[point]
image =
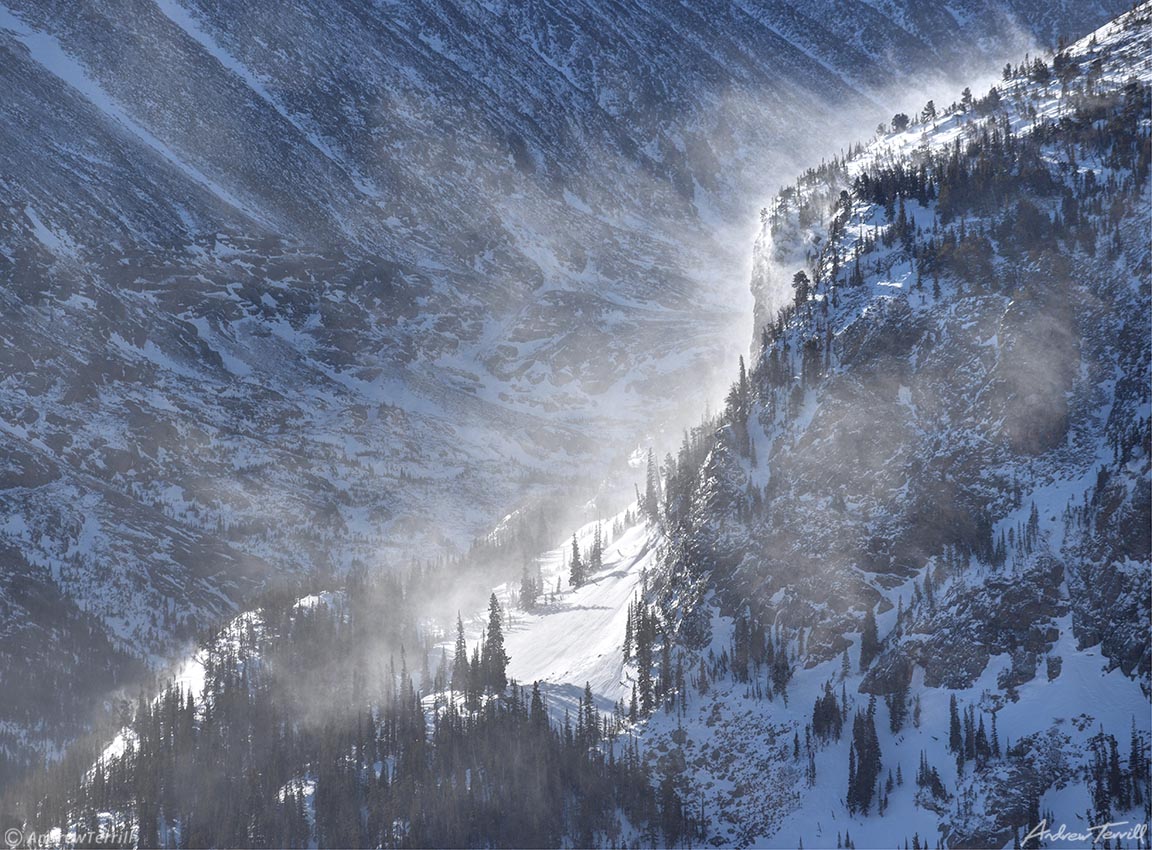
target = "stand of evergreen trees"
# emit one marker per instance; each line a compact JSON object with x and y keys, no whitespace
{"x":326,"y":724}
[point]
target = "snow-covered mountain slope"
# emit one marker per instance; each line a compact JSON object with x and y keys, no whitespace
{"x":289,"y":287}
{"x":933,"y":483}
{"x":572,"y":637}
{"x":294,"y":286}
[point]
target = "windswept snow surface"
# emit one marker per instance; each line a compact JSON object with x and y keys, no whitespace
{"x":46,"y":50}
{"x":180,"y":16}
{"x":575,"y":637}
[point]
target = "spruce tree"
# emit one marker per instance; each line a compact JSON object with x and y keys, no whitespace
{"x":801,"y":287}
{"x":864,"y":767}
{"x":460,"y":659}
{"x":528,"y":590}
{"x":852,"y":792}
{"x":596,"y":557}
{"x":591,"y":716}
{"x":955,"y":737}
{"x":537,"y":713}
{"x":495,"y":659}
{"x":666,"y":674}
{"x":475,"y":681}
{"x":644,"y":637}
{"x":576,"y":566}
{"x":982,"y":748}
{"x":652,"y":488}
{"x":628,"y":634}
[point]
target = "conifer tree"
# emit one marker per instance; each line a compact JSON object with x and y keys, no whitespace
{"x":666,"y":674}
{"x":576,"y":565}
{"x":628,"y":634}
{"x":982,"y":747}
{"x":536,"y":712}
{"x":528,"y":590}
{"x":864,"y":766}
{"x":652,"y":488}
{"x":801,"y":287}
{"x":955,"y":738}
{"x":644,"y":638}
{"x":495,"y":659}
{"x":475,"y":681}
{"x":1137,"y":765}
{"x":460,"y":659}
{"x":596,"y":556}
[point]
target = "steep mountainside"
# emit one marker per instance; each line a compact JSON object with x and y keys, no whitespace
{"x":933,"y":483}
{"x":293,"y":286}
{"x":896,"y":592}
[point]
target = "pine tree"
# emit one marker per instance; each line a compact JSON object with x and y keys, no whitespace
{"x":528,"y":590}
{"x":576,"y":566}
{"x":865,"y":765}
{"x":591,"y":719}
{"x":982,"y":748}
{"x":495,"y":659}
{"x":475,"y":681}
{"x":537,"y":713}
{"x":628,"y":634}
{"x":1116,"y":786}
{"x":1137,"y":766}
{"x":801,"y":288}
{"x":955,"y":738}
{"x":652,"y":488}
{"x":852,"y":792}
{"x":644,"y":638}
{"x":969,"y":733}
{"x":460,"y":659}
{"x":596,"y":558}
